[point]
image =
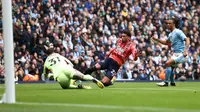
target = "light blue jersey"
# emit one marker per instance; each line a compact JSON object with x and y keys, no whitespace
{"x":177,"y":37}
{"x":177,"y":40}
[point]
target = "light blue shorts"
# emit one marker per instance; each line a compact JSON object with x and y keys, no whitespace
{"x":178,"y":58}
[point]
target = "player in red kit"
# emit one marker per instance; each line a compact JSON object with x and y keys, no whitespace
{"x":116,"y":58}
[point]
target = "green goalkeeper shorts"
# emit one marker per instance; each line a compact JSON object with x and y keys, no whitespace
{"x":64,"y":81}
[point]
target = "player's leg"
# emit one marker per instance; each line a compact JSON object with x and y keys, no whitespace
{"x":72,"y":82}
{"x":178,"y":58}
{"x":168,"y":71}
{"x":113,"y":79}
{"x":110,"y":73}
{"x":77,"y":75}
{"x":108,"y":78}
{"x":80,"y":86}
{"x":175,"y":59}
{"x":98,"y":66}
{"x":63,"y":80}
{"x":172,"y":81}
{"x":106,"y":81}
{"x":65,"y":83}
{"x":68,"y":73}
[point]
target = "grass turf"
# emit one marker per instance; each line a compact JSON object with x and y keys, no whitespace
{"x":121,"y":97}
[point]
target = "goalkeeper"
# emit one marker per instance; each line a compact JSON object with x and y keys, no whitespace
{"x":63,"y":71}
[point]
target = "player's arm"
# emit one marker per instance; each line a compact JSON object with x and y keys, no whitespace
{"x":187,"y":41}
{"x":165,"y":42}
{"x":135,"y":53}
{"x":109,"y":52}
{"x":45,"y":72}
{"x":112,"y":49}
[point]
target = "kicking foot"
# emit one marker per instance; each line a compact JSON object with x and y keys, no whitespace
{"x":98,"y":83}
{"x":162,"y":84}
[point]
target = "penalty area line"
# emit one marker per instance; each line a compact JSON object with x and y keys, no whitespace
{"x":142,"y":108}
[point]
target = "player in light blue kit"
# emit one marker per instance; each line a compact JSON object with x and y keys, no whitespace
{"x":179,"y":44}
{"x":63,"y":71}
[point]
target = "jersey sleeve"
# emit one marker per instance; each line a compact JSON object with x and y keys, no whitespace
{"x":182,"y":35}
{"x":45,"y":71}
{"x":133,"y":51}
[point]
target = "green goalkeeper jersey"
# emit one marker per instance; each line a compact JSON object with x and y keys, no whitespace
{"x":56,"y":63}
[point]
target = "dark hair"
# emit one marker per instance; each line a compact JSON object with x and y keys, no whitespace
{"x":175,"y":20}
{"x":127,"y":32}
{"x":49,"y":51}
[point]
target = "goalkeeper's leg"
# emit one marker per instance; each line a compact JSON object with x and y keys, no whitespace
{"x":65,"y":83}
{"x":63,"y":80}
{"x":81,"y":76}
{"x":80,"y":86}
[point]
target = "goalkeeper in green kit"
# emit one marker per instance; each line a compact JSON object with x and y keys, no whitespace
{"x":63,"y":71}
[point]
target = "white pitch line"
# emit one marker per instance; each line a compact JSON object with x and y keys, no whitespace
{"x":111,"y":107}
{"x":155,"y":89}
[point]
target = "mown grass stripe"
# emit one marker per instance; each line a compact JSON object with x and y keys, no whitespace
{"x":111,"y":107}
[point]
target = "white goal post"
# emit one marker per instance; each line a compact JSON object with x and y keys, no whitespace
{"x":9,"y":95}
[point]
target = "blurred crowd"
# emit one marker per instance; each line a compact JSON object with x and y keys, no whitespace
{"x":84,"y":30}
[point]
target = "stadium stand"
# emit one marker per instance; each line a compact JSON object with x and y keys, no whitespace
{"x":84,"y":30}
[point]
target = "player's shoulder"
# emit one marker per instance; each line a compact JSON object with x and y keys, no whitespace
{"x":178,"y":31}
{"x":132,"y":43}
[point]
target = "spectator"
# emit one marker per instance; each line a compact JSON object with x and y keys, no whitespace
{"x":38,"y":23}
{"x":153,"y":77}
{"x":142,"y":75}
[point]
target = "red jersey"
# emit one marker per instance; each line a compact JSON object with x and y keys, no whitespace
{"x":122,"y":51}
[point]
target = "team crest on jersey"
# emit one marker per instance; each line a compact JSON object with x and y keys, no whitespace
{"x":119,"y":49}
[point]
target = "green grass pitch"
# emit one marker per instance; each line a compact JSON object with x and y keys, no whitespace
{"x":121,"y":97}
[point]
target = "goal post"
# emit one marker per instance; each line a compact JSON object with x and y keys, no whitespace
{"x":9,"y":95}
